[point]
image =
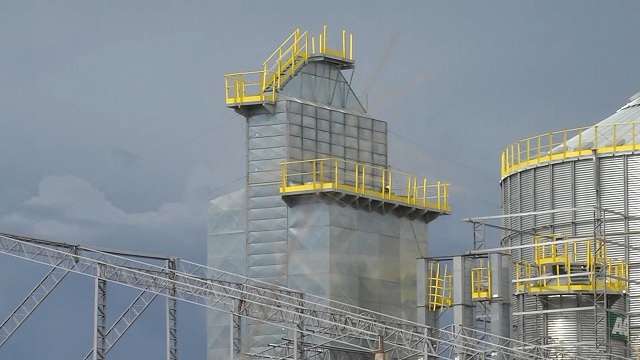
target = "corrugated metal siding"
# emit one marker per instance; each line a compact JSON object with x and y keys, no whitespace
{"x":565,"y":185}
{"x":633,"y":201}
{"x":542,"y":196}
{"x":562,"y":197}
{"x":585,"y":195}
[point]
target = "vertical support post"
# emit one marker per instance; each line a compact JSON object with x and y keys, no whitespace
{"x":235,"y":328}
{"x":295,"y":345}
{"x":600,"y":298}
{"x":172,"y":313}
{"x":298,"y":351}
{"x":100,"y":315}
{"x":463,"y":308}
{"x":501,"y":329}
{"x":234,"y":336}
{"x":478,"y":235}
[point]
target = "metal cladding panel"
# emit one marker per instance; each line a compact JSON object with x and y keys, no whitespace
{"x":612,"y":193}
{"x":226,"y":250}
{"x":266,"y":213}
{"x":260,"y":130}
{"x":322,"y":83}
{"x":584,"y":190}
{"x":542,"y":197}
{"x":342,"y":135}
{"x":265,"y":202}
{"x":562,"y":196}
{"x":226,"y":214}
{"x":633,"y":204}
{"x":562,"y":327}
{"x":267,"y":142}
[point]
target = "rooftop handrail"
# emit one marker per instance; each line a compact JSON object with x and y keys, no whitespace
{"x":281,"y":65}
{"x":569,"y":143}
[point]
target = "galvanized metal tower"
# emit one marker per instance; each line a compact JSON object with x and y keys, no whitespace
{"x":321,"y":211}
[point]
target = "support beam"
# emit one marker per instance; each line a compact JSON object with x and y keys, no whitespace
{"x":100,"y":315}
{"x":30,"y":303}
{"x":126,"y":319}
{"x":172,"y":313}
{"x":341,"y":324}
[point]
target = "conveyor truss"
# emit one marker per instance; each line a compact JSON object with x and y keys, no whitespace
{"x":324,"y":324}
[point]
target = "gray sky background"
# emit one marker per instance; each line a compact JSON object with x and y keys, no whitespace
{"x":113,"y":128}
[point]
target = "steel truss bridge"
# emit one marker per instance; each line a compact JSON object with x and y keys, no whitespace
{"x":323,"y":328}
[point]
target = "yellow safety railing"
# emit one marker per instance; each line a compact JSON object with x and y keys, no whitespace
{"x":569,"y":143}
{"x":524,"y":271}
{"x":565,"y":265}
{"x":260,"y":86}
{"x":247,"y":87}
{"x":439,"y":284}
{"x":481,"y":282}
{"x":331,"y":174}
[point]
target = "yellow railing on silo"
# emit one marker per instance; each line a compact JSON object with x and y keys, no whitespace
{"x":563,"y":265}
{"x":364,"y":179}
{"x":559,"y":145}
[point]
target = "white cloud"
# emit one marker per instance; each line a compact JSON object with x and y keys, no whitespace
{"x":70,"y":208}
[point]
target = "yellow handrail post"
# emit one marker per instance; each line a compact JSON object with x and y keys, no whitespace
{"x":519,"y":153}
{"x":409,"y":190}
{"x":284,"y":176}
{"x":564,"y":144}
{"x":356,"y":175}
{"x":528,"y":150}
{"x":580,"y":142}
{"x":313,"y":171}
{"x":350,"y":46}
{"x":439,"y":197}
{"x":424,"y":193}
{"x":313,"y":45}
{"x":344,"y":44}
{"x":321,"y":173}
{"x":595,"y":137}
{"x":384,"y":175}
{"x":363,"y":178}
{"x":512,"y":156}
{"x":390,"y":182}
{"x":550,"y":144}
{"x":336,"y":175}
{"x":415,"y":189}
{"x":324,"y":31}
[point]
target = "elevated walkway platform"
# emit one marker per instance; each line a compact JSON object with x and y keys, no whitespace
{"x":566,"y":266}
{"x":366,"y":186}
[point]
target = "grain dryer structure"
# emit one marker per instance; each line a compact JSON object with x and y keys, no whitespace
{"x":321,"y":212}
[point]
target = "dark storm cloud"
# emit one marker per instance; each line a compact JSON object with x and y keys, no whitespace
{"x":113,"y":129}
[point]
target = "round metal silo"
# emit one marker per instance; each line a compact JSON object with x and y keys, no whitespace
{"x":576,"y":190}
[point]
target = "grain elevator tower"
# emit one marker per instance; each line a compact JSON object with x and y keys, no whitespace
{"x":321,"y":211}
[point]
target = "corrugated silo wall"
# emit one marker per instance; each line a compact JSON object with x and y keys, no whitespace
{"x":572,"y":184}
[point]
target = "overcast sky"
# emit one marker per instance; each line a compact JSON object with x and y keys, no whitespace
{"x":114,"y":129}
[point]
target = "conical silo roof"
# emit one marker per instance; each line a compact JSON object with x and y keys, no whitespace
{"x":616,"y":130}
